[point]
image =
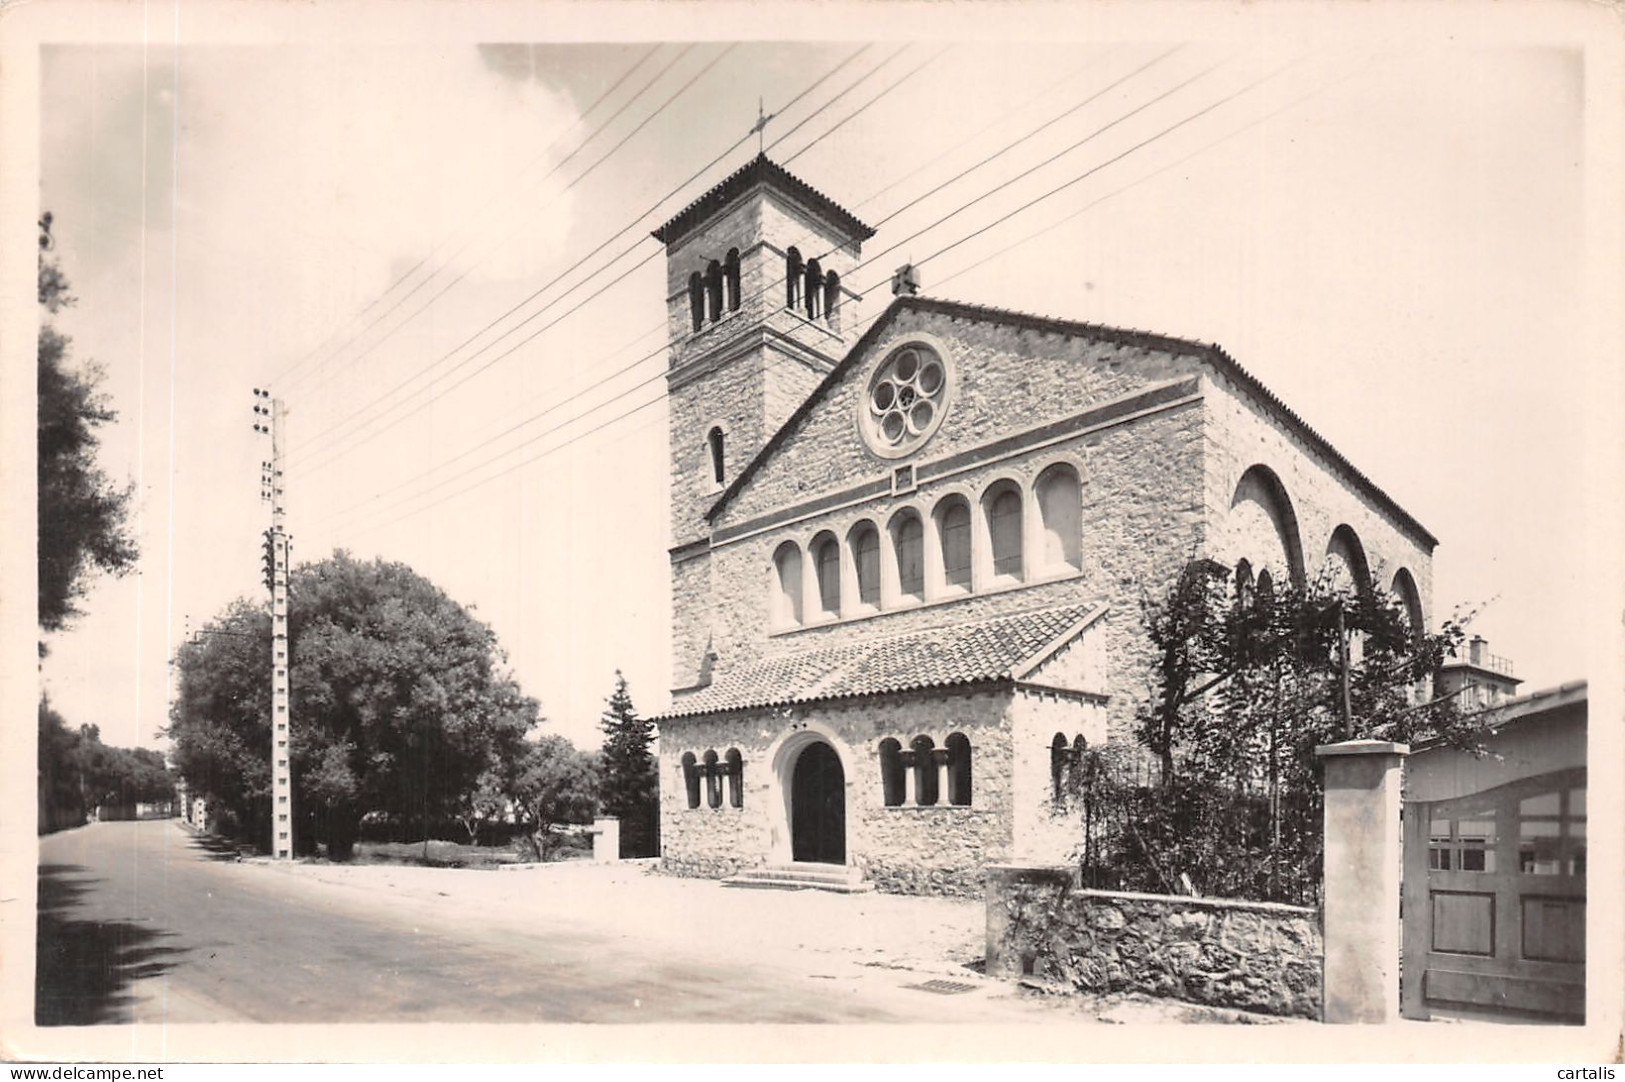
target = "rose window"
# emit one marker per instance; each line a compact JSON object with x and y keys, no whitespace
{"x":906,"y":400}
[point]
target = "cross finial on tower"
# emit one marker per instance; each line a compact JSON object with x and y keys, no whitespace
{"x":761,"y":125}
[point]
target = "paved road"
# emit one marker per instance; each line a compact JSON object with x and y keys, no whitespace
{"x":142,"y":922}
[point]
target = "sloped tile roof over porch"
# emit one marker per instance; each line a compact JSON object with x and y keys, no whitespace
{"x":999,"y":650}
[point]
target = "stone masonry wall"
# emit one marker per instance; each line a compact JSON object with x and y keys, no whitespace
{"x":1241,"y":434}
{"x":914,"y":850}
{"x":1254,"y":956}
{"x":1133,"y":537}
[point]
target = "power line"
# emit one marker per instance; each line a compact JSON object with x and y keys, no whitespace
{"x":601,"y":382}
{"x":463,"y":274}
{"x":1042,"y":127}
{"x":1266,"y":118}
{"x":424,"y":403}
{"x":633,"y":224}
{"x":893,"y":85}
{"x":861,"y":324}
{"x":652,"y":254}
{"x":1052,"y":158}
{"x":1119,"y":157}
{"x":849,"y":88}
{"x":332,"y":432}
{"x":659,"y":351}
{"x":287,"y":373}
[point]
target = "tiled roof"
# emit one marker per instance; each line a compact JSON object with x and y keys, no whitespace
{"x":987,"y":651}
{"x":759,"y":170}
{"x":1213,"y":354}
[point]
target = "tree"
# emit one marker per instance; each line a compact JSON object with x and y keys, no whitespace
{"x":78,"y":773}
{"x":486,"y":802}
{"x":398,"y":703}
{"x":82,"y":516}
{"x":631,"y":780}
{"x":1248,"y":682}
{"x":552,"y":784}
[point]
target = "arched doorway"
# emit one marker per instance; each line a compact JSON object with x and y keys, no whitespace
{"x":818,"y":806}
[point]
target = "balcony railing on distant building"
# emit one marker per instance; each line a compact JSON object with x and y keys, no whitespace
{"x":1478,"y":655}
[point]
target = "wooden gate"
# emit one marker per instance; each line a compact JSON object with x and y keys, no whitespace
{"x":1494,"y":901}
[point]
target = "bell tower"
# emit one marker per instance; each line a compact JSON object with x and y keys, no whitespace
{"x":758,"y":312}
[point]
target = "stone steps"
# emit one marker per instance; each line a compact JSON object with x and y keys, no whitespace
{"x":836,"y":878}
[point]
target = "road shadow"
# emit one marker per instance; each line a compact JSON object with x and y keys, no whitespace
{"x":84,"y":967}
{"x":211,"y":847}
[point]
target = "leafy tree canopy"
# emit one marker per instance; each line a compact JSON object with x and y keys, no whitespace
{"x":1249,"y":680}
{"x":399,"y":702}
{"x":82,"y":516}
{"x":551,"y":784}
{"x":78,"y":773}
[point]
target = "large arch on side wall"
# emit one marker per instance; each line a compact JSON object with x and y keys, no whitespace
{"x":1345,"y":563}
{"x":1262,"y":527}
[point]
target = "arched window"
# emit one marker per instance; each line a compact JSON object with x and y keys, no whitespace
{"x":691,"y":779}
{"x":787,"y":580}
{"x":1345,"y":564}
{"x":815,"y":288}
{"x":730,"y":279}
{"x":826,"y":554}
{"x":714,"y":440}
{"x":865,"y":541}
{"x":1262,"y":523}
{"x":1057,"y":767}
{"x":1244,"y":583}
{"x":696,"y":299}
{"x":891,"y":772}
{"x":832,"y":299}
{"x":793,"y":270}
{"x":1404,"y":590}
{"x":953,"y":528}
{"x":908,"y":544}
{"x":1264,"y":590}
{"x":713,"y":780}
{"x":958,"y":745}
{"x":735,"y":767}
{"x":1060,"y":508}
{"x":1003,"y":508}
{"x":925,"y":771}
{"x":713,"y":291}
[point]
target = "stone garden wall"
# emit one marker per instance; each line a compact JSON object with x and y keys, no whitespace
{"x":1254,"y":956}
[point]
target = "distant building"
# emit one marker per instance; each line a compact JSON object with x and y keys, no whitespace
{"x":908,"y":565}
{"x":1495,"y":866}
{"x":1481,"y":679}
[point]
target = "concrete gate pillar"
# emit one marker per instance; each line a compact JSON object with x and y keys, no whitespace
{"x":606,"y":839}
{"x":1361,"y":908}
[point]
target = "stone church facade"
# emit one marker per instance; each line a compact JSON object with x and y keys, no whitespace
{"x":907,"y":565}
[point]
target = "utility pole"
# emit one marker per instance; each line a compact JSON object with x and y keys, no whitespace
{"x":276,"y":580}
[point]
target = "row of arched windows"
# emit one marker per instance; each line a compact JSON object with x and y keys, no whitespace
{"x":707,"y":772}
{"x":808,"y":288}
{"x":1009,"y":535}
{"x":925,"y":775}
{"x":715,"y":292}
{"x":1265,"y":523}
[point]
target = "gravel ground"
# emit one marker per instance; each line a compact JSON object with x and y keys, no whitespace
{"x":891,"y":937}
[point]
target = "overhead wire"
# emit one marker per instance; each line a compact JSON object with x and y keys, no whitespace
{"x":287,"y":373}
{"x":558,"y":299}
{"x":652,"y":254}
{"x":573,"y":182}
{"x":656,"y":353}
{"x":862,"y":323}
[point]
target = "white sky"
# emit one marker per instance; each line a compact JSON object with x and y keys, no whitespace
{"x":1390,"y":233}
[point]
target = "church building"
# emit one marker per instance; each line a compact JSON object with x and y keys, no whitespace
{"x":908,"y":564}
